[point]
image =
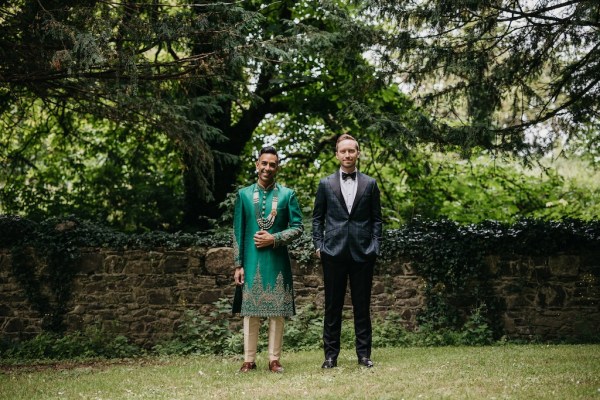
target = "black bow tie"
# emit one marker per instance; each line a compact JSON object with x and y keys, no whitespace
{"x":350,"y":175}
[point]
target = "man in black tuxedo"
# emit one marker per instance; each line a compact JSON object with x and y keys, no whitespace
{"x":347,"y":227}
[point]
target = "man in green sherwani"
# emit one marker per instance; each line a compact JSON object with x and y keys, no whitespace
{"x":267,"y":218}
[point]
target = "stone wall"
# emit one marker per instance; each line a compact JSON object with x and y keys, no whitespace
{"x":549,"y":297}
{"x":143,"y":294}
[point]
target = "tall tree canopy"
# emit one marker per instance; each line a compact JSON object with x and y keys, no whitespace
{"x":77,"y":75}
{"x":206,"y":74}
{"x":509,"y":75}
{"x":131,"y":110}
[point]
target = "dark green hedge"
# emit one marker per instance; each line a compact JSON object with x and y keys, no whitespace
{"x":450,"y":258}
{"x":78,"y":233}
{"x":528,"y":236}
{"x":58,"y":241}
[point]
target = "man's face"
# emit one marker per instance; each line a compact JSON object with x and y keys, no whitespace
{"x":267,"y":166}
{"x":347,"y":153}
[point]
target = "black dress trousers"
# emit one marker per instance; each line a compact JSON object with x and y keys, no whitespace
{"x":336,"y":274}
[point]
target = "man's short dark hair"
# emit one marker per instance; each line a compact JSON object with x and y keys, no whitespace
{"x":268,"y":150}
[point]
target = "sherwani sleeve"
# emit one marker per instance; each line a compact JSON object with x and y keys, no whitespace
{"x":238,"y":232}
{"x":295,"y":227}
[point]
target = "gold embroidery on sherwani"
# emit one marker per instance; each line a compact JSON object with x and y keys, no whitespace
{"x":271,"y":293}
{"x":237,"y":257}
{"x":287,"y":236}
{"x":261,"y":301}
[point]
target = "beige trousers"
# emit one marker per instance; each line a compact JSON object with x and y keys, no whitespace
{"x":251,"y":328}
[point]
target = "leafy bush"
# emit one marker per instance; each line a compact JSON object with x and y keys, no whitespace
{"x":200,"y":334}
{"x":476,"y":331}
{"x":15,"y":230}
{"x":214,"y":335}
{"x":305,"y":330}
{"x":91,"y":343}
{"x":389,"y":331}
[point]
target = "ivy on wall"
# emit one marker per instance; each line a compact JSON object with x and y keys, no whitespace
{"x":50,"y":244}
{"x":448,"y":256}
{"x":451,"y":259}
{"x":54,"y":245}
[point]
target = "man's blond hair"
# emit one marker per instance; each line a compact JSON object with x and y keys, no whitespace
{"x":345,"y":136}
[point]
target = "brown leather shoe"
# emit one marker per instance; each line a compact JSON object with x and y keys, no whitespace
{"x":247,"y":366}
{"x":275,"y":366}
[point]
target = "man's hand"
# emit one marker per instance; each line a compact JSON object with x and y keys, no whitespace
{"x":318,"y":253}
{"x":263,"y":239}
{"x":238,"y":276}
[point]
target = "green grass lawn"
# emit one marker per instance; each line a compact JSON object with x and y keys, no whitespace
{"x":494,"y":372}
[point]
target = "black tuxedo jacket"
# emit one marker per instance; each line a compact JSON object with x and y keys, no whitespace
{"x":338,"y":233}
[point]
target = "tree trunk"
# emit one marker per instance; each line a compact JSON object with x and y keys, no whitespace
{"x":199,"y":209}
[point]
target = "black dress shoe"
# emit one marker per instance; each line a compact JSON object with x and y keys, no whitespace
{"x":365,"y":362}
{"x":329,"y":363}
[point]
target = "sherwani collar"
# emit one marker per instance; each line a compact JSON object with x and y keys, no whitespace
{"x":268,"y":188}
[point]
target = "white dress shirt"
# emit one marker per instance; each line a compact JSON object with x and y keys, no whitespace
{"x":348,"y":190}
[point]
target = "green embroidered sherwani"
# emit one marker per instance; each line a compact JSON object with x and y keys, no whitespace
{"x":268,"y":289}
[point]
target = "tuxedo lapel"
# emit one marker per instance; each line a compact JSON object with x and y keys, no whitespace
{"x":361,"y":185}
{"x":334,"y":181}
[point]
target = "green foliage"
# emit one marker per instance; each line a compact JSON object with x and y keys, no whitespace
{"x":93,"y":342}
{"x":487,"y":71}
{"x":204,"y":334}
{"x":56,"y":243}
{"x":53,"y":242}
{"x":447,"y":260}
{"x":212,"y":334}
{"x":416,"y":180}
{"x":303,"y":249}
{"x":81,"y":138}
{"x":434,"y":185}
{"x":304,"y":331}
{"x":450,"y":258}
{"x":83,"y":233}
{"x":215,"y":334}
{"x":80,"y":135}
{"x":389,"y":331}
{"x":476,"y":330}
{"x":105,"y":174}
